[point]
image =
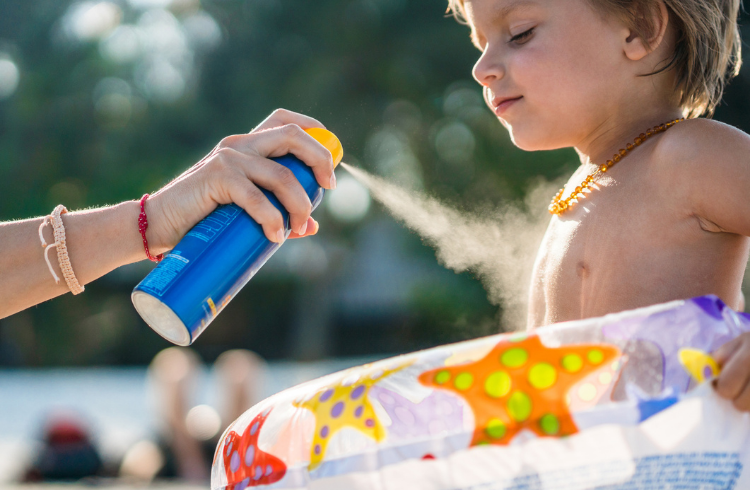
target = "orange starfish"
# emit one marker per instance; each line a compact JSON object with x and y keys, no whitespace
{"x":521,"y":384}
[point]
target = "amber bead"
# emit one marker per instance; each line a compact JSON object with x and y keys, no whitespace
{"x":559,"y":205}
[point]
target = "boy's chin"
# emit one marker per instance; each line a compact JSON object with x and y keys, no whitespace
{"x":532,"y":137}
{"x":528,"y":142}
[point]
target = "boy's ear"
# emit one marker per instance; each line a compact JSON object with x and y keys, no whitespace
{"x":654,"y":28}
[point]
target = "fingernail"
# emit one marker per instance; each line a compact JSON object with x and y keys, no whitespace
{"x":303,"y":228}
{"x":280,"y":237}
{"x":333,"y":181}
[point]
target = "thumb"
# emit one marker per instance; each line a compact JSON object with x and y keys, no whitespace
{"x":725,"y":352}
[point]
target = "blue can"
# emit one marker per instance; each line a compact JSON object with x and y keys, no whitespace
{"x":215,"y":259}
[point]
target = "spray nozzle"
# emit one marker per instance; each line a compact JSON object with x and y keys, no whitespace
{"x":330,"y":141}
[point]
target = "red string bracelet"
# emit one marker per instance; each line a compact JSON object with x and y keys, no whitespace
{"x":142,"y":227}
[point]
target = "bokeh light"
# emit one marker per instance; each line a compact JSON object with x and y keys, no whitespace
{"x":390,"y":151}
{"x":163,"y":46}
{"x":350,"y":201}
{"x":9,"y":77}
{"x":122,"y":46}
{"x":88,"y":21}
{"x":454,"y":142}
{"x":203,"y":422}
{"x":113,"y":102}
{"x":306,"y":258}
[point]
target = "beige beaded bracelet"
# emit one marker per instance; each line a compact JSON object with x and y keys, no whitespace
{"x":62,"y":250}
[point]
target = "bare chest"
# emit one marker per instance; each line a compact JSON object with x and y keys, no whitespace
{"x":628,"y":245}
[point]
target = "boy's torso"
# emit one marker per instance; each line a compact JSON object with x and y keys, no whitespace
{"x":632,"y":242}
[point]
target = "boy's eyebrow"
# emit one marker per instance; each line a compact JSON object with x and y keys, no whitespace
{"x":503,"y":12}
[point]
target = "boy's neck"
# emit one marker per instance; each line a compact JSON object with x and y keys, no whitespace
{"x":617,"y":131}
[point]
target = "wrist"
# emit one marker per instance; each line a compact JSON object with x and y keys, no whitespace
{"x":150,"y":222}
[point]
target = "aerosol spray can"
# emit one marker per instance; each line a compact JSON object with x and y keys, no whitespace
{"x":217,"y":257}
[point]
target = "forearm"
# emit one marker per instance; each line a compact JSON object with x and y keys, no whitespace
{"x":98,"y":241}
{"x":101,"y":240}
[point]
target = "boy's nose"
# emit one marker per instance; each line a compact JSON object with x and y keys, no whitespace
{"x":488,"y":69}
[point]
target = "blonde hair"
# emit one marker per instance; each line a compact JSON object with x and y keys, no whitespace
{"x":707,"y":53}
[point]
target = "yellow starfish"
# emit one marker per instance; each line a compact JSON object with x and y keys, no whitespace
{"x":700,"y":365}
{"x":344,"y":405}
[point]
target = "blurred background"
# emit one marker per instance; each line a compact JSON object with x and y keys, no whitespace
{"x":102,"y":101}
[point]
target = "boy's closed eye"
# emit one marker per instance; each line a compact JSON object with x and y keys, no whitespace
{"x":523,"y":37}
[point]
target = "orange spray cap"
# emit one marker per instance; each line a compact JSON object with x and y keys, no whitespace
{"x":330,"y":141}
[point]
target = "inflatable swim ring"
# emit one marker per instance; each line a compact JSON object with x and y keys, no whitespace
{"x":481,"y":408}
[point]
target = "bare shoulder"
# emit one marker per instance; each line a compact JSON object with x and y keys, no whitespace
{"x":704,"y":146}
{"x":706,"y":165}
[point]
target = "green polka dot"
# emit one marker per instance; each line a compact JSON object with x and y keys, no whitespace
{"x":495,"y":429}
{"x":497,"y":384}
{"x":519,"y":406}
{"x":442,"y":377}
{"x":572,"y":363}
{"x":542,"y":376}
{"x":463,"y":381}
{"x":595,"y":356}
{"x":549,"y":424}
{"x":514,"y":358}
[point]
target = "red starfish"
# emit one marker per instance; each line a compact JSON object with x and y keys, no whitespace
{"x":246,"y":465}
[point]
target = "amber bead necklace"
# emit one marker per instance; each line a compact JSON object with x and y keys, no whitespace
{"x":558,"y":205}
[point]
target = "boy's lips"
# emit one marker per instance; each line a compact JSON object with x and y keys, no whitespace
{"x":501,"y":104}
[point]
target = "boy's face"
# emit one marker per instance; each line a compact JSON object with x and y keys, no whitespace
{"x":560,"y":60}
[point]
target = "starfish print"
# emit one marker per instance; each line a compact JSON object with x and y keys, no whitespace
{"x":699,"y":364}
{"x":438,"y":413}
{"x":521,"y":384}
{"x":245,"y":464}
{"x":343,"y":405}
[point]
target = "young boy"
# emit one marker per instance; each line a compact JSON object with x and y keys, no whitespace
{"x":668,"y":217}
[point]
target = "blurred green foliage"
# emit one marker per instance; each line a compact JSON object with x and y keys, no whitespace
{"x":90,"y":125}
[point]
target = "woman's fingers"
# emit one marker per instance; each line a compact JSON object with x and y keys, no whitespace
{"x":723,"y":353}
{"x":312,"y":229}
{"x":734,"y":358}
{"x":281,"y":182}
{"x":250,"y":198}
{"x":231,"y":184}
{"x":284,"y":140}
{"x":282,"y":117}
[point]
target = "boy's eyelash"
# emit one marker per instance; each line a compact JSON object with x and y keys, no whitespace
{"x":521,"y":36}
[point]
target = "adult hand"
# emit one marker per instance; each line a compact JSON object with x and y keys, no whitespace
{"x":234,"y":171}
{"x":734,"y":381}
